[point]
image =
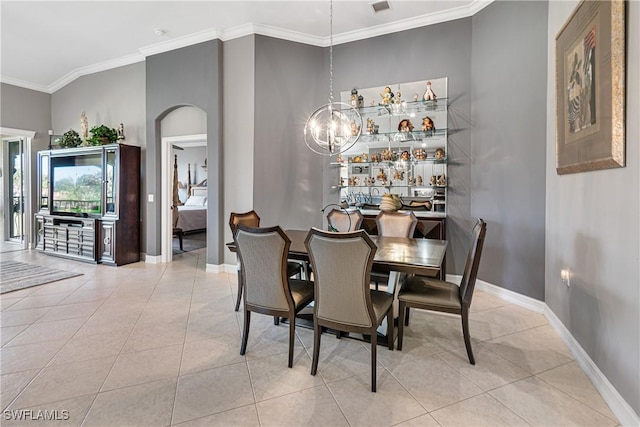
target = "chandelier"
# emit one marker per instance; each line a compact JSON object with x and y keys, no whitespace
{"x":335,"y":127}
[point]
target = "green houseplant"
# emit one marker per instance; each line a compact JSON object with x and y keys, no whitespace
{"x":70,"y":139}
{"x":102,"y":134}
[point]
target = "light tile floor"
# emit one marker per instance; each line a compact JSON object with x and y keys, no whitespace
{"x":158,"y":345}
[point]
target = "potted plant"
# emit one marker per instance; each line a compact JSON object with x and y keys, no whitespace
{"x":101,"y":135}
{"x":70,"y":139}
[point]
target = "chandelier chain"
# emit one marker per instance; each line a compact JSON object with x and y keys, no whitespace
{"x":331,"y":51}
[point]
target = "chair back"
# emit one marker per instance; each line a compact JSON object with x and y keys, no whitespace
{"x":341,"y":267}
{"x":468,"y":282}
{"x":396,"y":224}
{"x":250,"y":219}
{"x":342,"y":220}
{"x":263,"y":256}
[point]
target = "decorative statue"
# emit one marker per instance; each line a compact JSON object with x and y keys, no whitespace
{"x":354,"y":98}
{"x":354,"y":128}
{"x":433,"y":179}
{"x":442,"y":181}
{"x":439,"y":154}
{"x":428,"y":94}
{"x":121,"y":135}
{"x":387,"y":96}
{"x":419,"y":154}
{"x":405,"y":125}
{"x":419,"y":180}
{"x":415,"y":97}
{"x":84,"y":126}
{"x":405,"y":155}
{"x":427,"y":124}
{"x":360,"y":101}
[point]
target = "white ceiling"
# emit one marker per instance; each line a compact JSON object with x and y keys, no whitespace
{"x":47,"y":44}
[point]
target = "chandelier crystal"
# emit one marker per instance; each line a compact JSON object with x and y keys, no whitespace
{"x":335,"y":127}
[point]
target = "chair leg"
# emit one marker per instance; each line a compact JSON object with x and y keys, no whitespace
{"x":240,"y":286}
{"x":276,"y":320}
{"x":292,"y":336}
{"x":390,"y":328}
{"x":316,"y":347}
{"x":374,"y":348}
{"x":401,"y":322}
{"x":465,"y":332}
{"x":406,"y":318}
{"x":245,"y":332}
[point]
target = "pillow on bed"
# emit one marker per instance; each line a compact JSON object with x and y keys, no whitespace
{"x":196,"y":201}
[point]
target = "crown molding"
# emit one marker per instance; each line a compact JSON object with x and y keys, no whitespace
{"x":179,"y":42}
{"x":265,"y":30}
{"x":94,"y":68}
{"x":21,"y":83}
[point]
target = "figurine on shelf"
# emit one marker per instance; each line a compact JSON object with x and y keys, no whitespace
{"x":121,"y":132}
{"x":439,"y":154}
{"x":355,"y":129}
{"x":386,"y":155}
{"x":405,"y":125}
{"x":375,"y":157}
{"x":357,"y":159}
{"x":360,"y":101}
{"x":370,"y":181}
{"x":381,"y":175}
{"x":411,"y":181}
{"x":419,"y":154}
{"x":354,"y":98}
{"x":387,"y":96}
{"x":370,"y":126}
{"x":405,"y":155}
{"x":339,"y":158}
{"x":429,"y":95}
{"x":84,"y":126}
{"x":442,"y":181}
{"x":419,"y":180}
{"x":365,"y":157}
{"x":433,"y":180}
{"x":341,"y":182}
{"x":427,"y":124}
{"x":356,"y":181}
{"x":415,"y":97}
{"x":399,"y":175}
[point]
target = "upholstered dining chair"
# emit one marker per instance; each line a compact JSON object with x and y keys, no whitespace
{"x":437,"y":295}
{"x":268,"y":288}
{"x":341,"y":220}
{"x":343,"y":299}
{"x":393,"y":224}
{"x":251,"y":219}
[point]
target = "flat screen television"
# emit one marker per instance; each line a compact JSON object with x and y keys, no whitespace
{"x":76,"y":182}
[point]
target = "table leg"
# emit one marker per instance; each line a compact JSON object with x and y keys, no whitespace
{"x":393,"y":287}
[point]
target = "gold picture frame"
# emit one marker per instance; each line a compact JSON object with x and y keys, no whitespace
{"x":590,"y":88}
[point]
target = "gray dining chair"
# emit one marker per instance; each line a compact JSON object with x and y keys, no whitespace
{"x":393,"y":224}
{"x":341,"y":220}
{"x":438,"y":295}
{"x":268,"y":289}
{"x":251,"y":219}
{"x":343,"y":299}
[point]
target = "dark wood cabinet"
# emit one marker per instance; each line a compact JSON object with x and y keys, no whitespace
{"x":89,"y":206}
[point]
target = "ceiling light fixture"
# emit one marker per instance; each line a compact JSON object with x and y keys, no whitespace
{"x":336,"y":126}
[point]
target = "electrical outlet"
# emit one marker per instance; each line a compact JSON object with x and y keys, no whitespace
{"x":565,"y":276}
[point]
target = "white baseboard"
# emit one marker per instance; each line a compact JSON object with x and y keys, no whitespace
{"x":153,"y":259}
{"x":619,"y":407}
{"x":230,"y":268}
{"x":214,"y":268}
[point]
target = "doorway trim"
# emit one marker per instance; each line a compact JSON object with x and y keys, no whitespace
{"x":28,"y":135}
{"x":166,"y":247}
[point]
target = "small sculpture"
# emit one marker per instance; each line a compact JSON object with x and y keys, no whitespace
{"x":382,"y":176}
{"x":411,"y":181}
{"x":84,"y":126}
{"x":415,"y":97}
{"x":354,"y":98}
{"x":399,"y":175}
{"x":339,"y":159}
{"x":365,"y":157}
{"x":360,"y":101}
{"x":121,"y":134}
{"x":405,"y":125}
{"x":387,"y":96}
{"x":429,"y":95}
{"x":433,"y":180}
{"x":439,"y":154}
{"x":405,"y":155}
{"x":370,"y":181}
{"x":375,"y":157}
{"x":427,"y":124}
{"x":341,"y":182}
{"x":386,"y":154}
{"x":355,"y":129}
{"x":419,"y":154}
{"x":419,"y":180}
{"x":442,"y":181}
{"x":356,"y":181}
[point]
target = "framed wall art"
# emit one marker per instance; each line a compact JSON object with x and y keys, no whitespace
{"x":590,"y":88}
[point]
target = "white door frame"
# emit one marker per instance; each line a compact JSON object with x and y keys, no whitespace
{"x":28,"y":135}
{"x":166,"y":172}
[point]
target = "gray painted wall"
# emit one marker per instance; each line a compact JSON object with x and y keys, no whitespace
{"x":287,"y":182}
{"x":238,"y":128}
{"x":187,"y":76}
{"x":27,"y":109}
{"x":442,"y":50}
{"x":110,"y":97}
{"x":508,"y":72}
{"x":593,"y":228}
{"x":184,"y":121}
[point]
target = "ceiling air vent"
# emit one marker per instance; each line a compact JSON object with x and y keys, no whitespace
{"x":379,"y":6}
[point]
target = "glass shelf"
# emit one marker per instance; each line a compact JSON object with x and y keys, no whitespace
{"x":403,"y":137}
{"x":405,"y":108}
{"x":429,"y":161}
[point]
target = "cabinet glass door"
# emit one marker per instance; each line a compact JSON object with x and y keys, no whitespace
{"x":110,"y":184}
{"x":44,"y":182}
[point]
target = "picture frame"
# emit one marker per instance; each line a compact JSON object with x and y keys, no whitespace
{"x":590,"y":88}
{"x":54,"y":142}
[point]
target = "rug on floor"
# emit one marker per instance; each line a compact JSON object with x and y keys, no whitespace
{"x":190,"y":242}
{"x":15,"y":275}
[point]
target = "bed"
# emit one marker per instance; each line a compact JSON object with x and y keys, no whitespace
{"x":192,"y":216}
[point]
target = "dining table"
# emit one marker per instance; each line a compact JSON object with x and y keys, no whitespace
{"x":395,"y":255}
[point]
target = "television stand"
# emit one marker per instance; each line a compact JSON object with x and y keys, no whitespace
{"x":67,"y":236}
